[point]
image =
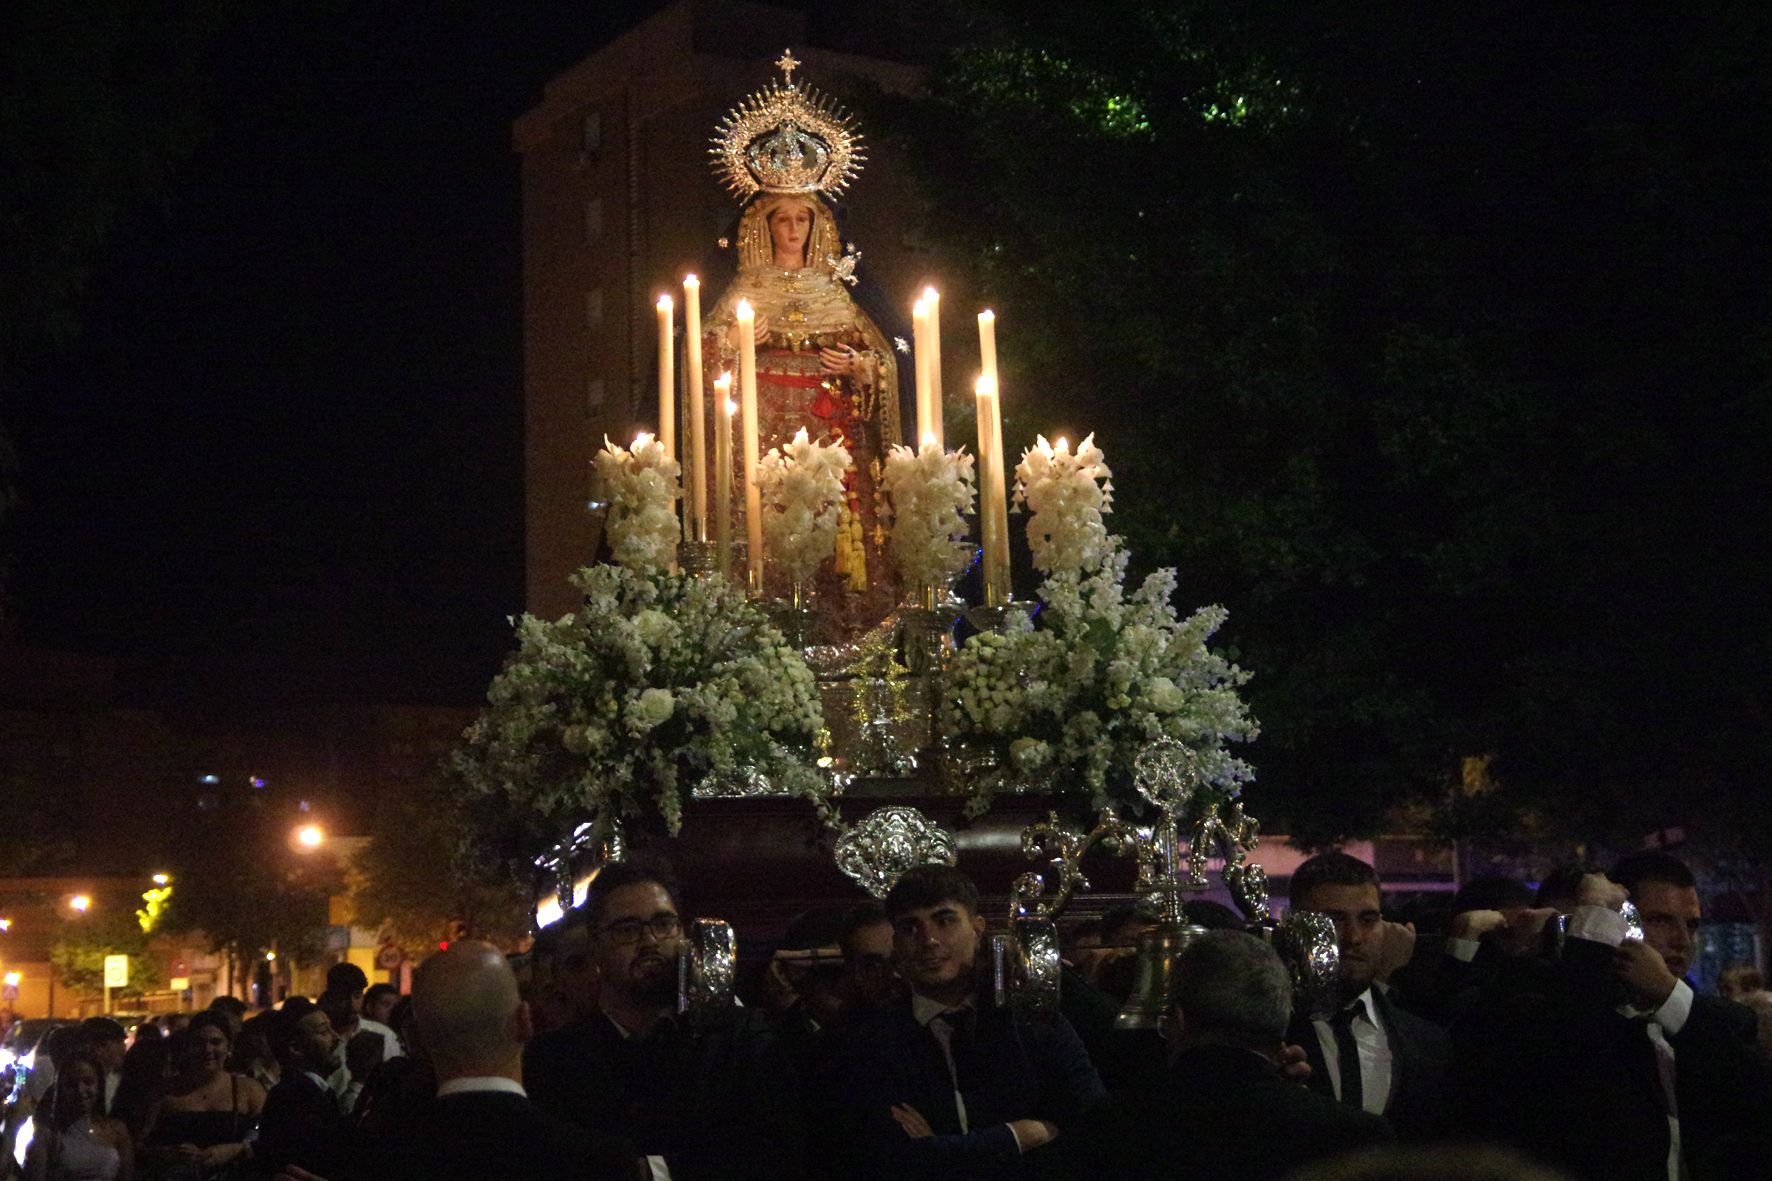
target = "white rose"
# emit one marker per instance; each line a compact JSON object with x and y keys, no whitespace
{"x":1163,"y":695}
{"x":654,"y":626}
{"x":652,"y":709}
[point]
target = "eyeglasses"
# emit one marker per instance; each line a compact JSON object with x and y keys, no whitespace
{"x":627,"y":931}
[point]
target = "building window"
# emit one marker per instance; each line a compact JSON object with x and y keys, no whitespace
{"x":595,"y":391}
{"x":590,"y":139}
{"x":594,"y":308}
{"x":593,"y":219}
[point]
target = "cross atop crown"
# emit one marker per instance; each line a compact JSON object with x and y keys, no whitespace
{"x":787,"y":63}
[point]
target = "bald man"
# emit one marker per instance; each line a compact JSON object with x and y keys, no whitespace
{"x":481,"y":1125}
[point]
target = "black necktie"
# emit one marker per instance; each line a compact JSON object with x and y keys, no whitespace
{"x":1347,"y":1054}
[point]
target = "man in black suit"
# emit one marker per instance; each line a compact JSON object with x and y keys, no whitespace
{"x":1223,"y":1107}
{"x":301,"y":1124}
{"x":704,"y":1094}
{"x":1621,"y":1071}
{"x":942,"y":1085}
{"x":482,"y":1126}
{"x":1371,"y":1054}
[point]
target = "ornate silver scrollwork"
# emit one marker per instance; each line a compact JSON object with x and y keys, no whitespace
{"x":707,"y":964}
{"x":1025,"y":966}
{"x":1063,"y":848}
{"x":888,"y":841}
{"x":1234,"y":836}
{"x":1307,"y":945}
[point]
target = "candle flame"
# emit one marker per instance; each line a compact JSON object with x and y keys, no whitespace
{"x":723,"y":382}
{"x":1063,"y":444}
{"x":987,"y":316}
{"x":664,"y":303}
{"x":928,"y":438}
{"x":931,"y":295}
{"x":690,"y":281}
{"x":743,"y":311}
{"x":919,"y":309}
{"x":731,"y":407}
{"x":640,"y":440}
{"x":986,"y":386}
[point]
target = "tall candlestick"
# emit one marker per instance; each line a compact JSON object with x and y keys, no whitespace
{"x":996,"y":482}
{"x":747,"y":409}
{"x":667,"y":379}
{"x":932,"y":298}
{"x":698,"y":454}
{"x":724,"y":409}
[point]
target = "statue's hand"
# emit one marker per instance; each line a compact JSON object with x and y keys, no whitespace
{"x":838,"y":361}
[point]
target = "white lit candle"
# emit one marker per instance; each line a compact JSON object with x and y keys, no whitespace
{"x":667,"y":378}
{"x":698,"y":440}
{"x":993,"y":512}
{"x":920,"y":358}
{"x":747,"y":410}
{"x":724,"y":409}
{"x":994,"y":503}
{"x":932,"y":300}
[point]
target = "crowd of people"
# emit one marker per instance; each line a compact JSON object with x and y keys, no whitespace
{"x":1534,"y":1037}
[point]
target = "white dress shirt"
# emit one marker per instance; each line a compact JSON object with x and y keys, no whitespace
{"x":1603,"y":925}
{"x":481,"y":1082}
{"x":1374,"y":1044}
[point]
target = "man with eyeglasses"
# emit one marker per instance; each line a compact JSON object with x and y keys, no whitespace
{"x":703,"y":1094}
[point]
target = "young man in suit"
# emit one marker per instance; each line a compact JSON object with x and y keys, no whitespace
{"x":1371,"y":1054}
{"x":481,"y":1125}
{"x":301,"y":1124}
{"x":942,"y":1084}
{"x":1223,"y":1104}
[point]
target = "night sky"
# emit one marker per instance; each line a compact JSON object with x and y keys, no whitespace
{"x":282,"y":461}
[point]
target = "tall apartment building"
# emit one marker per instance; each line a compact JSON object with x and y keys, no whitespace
{"x":619,"y":202}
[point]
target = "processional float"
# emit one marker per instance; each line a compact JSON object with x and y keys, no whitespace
{"x":781,"y":617}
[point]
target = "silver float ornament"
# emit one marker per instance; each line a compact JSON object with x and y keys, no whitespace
{"x":707,"y":964}
{"x":888,"y":841}
{"x":1308,"y":947}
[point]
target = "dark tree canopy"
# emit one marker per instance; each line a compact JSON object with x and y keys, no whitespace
{"x":1433,"y":341}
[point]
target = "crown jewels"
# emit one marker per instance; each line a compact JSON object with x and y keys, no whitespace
{"x":787,"y":138}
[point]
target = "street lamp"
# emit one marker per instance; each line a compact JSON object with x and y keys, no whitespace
{"x":310,"y":836}
{"x":5,"y":924}
{"x":160,"y":879}
{"x":81,"y":903}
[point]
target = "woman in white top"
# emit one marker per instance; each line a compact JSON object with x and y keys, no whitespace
{"x":71,"y":1140}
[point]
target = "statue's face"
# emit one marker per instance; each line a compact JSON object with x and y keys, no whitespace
{"x":790,"y":224}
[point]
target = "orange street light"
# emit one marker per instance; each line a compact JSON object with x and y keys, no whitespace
{"x":310,"y":836}
{"x":81,"y":903}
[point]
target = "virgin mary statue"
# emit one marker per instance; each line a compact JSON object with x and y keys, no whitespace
{"x":823,"y":363}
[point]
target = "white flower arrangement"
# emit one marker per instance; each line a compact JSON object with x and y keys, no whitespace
{"x":640,"y":485}
{"x":931,"y":492}
{"x":1107,"y":671}
{"x":1066,"y":495}
{"x":659,"y":683}
{"x":802,"y":494}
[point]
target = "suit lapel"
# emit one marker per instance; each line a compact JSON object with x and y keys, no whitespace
{"x":1303,"y":1033}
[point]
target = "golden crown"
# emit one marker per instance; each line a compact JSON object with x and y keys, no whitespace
{"x":787,"y":138}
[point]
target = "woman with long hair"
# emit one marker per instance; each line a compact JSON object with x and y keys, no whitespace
{"x":199,"y":1130}
{"x":71,"y":1140}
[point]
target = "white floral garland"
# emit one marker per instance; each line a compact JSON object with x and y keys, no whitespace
{"x":1066,"y":495}
{"x":640,"y":485}
{"x":658,"y":683}
{"x":931,"y":492}
{"x":802,"y":494}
